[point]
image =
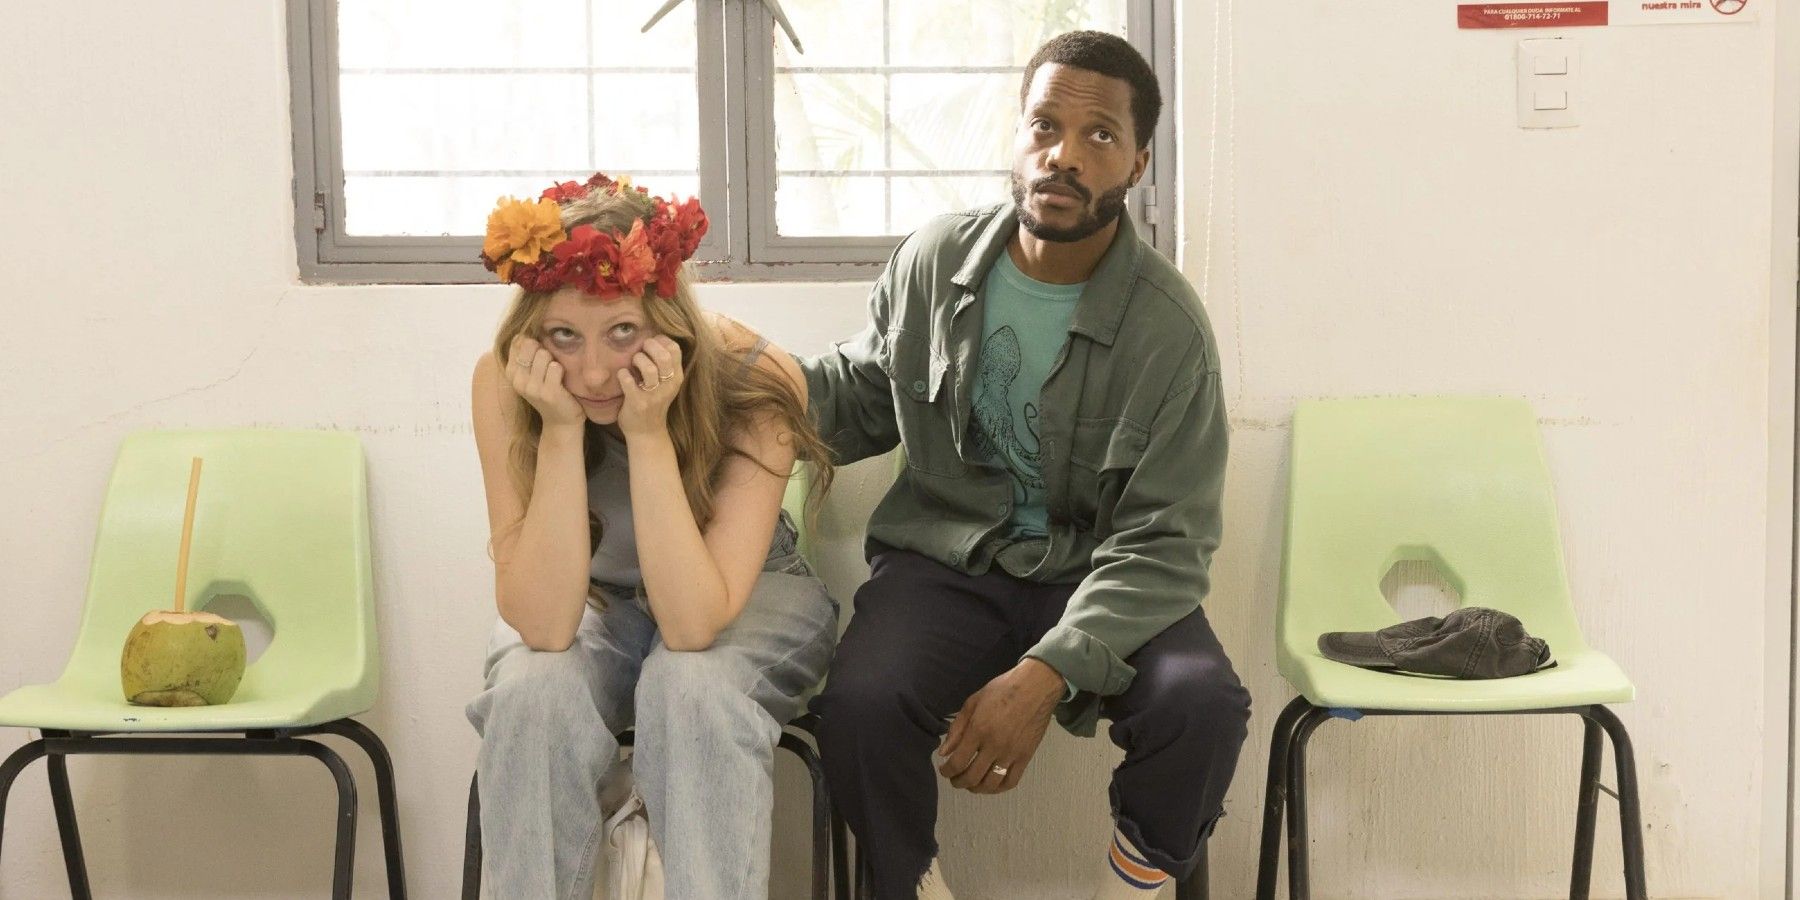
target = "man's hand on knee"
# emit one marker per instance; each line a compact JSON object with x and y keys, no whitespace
{"x":999,"y":729}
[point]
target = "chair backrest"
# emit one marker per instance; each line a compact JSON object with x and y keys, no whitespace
{"x":282,"y":519}
{"x":794,"y":501}
{"x":1460,"y":482}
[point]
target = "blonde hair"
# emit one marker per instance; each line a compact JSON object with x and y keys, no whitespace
{"x":720,"y":398}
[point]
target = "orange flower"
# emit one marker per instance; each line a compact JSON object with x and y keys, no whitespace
{"x":519,"y":231}
{"x":637,"y":265}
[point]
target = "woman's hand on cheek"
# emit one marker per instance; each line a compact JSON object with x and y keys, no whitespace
{"x":537,"y":378}
{"x":650,"y":386}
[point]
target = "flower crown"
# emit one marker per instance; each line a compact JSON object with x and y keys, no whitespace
{"x":526,"y":244}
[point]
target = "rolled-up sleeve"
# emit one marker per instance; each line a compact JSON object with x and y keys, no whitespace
{"x":1152,"y":569}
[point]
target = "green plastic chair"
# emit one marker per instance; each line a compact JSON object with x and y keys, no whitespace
{"x":1462,"y":483}
{"x":282,"y":520}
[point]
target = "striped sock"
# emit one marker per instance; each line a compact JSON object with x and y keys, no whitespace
{"x":1128,"y":875}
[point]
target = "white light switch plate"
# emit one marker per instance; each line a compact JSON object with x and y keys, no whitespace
{"x":1548,"y":68}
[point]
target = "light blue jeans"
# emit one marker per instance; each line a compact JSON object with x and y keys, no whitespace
{"x":706,"y":724}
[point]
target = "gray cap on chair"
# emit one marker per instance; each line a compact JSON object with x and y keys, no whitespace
{"x":1472,"y":642}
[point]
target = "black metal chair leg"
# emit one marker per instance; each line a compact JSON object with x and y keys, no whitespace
{"x":1631,"y":823}
{"x":471,"y":880}
{"x":1586,"y":806}
{"x":387,"y":796}
{"x":1197,"y":886}
{"x":1275,"y":796}
{"x":9,"y":772}
{"x":57,"y":745}
{"x":1299,"y":874}
{"x":808,"y":724}
{"x":344,"y":858}
{"x":840,"y":856}
{"x":821,"y":814}
{"x":865,"y":882}
{"x":66,"y":828}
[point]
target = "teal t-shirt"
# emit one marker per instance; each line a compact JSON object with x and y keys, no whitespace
{"x":1024,"y":323}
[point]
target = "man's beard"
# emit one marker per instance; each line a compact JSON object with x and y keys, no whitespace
{"x":1102,"y":214}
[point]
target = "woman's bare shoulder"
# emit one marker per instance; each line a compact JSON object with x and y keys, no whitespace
{"x":488,"y":393}
{"x":777,"y":361}
{"x":736,"y":337}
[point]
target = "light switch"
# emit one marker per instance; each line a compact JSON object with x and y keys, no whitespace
{"x":1547,"y":69}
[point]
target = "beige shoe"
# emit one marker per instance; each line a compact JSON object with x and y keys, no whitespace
{"x":932,"y":886}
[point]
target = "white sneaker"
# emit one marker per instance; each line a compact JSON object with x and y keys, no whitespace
{"x":932,"y":886}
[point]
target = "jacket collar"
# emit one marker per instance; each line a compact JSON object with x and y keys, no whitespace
{"x":1102,"y":305}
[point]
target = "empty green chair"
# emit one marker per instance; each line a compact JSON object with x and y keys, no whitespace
{"x":1462,"y":483}
{"x":282,"y":520}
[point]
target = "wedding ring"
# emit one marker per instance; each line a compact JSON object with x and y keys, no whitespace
{"x":999,"y":770}
{"x":665,"y":376}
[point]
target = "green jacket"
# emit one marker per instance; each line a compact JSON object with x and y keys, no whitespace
{"x":1133,"y":436}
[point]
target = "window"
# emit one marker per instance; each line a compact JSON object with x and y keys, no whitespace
{"x":412,"y":116}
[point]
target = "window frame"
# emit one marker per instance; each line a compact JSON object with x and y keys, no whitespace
{"x":738,"y":179}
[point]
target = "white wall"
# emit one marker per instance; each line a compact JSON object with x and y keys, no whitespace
{"x":1380,"y":225}
{"x":1365,"y":218}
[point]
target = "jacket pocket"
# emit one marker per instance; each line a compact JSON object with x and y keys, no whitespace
{"x":922,"y":404}
{"x":1103,"y":453}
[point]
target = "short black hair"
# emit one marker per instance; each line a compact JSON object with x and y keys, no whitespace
{"x":1109,"y":55}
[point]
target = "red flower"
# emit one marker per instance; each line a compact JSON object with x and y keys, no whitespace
{"x":601,"y":182}
{"x":667,"y":269}
{"x":563,"y":193}
{"x":588,"y":259}
{"x":534,"y":278}
{"x":665,"y":243}
{"x":690,"y":221}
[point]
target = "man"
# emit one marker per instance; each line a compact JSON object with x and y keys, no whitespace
{"x":1054,"y":385}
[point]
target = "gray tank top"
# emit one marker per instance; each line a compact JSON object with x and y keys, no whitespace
{"x":614,"y":567}
{"x":609,"y":499}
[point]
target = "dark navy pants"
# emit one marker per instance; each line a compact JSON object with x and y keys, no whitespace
{"x":925,"y":636}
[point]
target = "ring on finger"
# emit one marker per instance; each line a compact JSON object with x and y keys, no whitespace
{"x":665,"y":376}
{"x":999,"y":770}
{"x":648,"y":387}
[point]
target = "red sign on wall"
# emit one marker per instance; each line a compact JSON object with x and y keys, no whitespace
{"x":1529,"y":15}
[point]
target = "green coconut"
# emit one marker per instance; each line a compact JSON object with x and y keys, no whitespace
{"x":182,"y":659}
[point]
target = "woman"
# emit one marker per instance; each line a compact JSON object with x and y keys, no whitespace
{"x":635,"y":452}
